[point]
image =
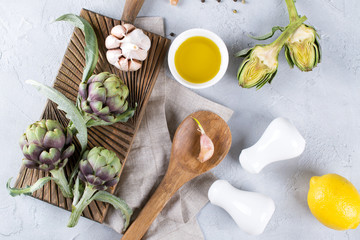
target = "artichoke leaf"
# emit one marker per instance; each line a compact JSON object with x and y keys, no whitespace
{"x":27,"y":190}
{"x":288,"y":57}
{"x":91,"y":48}
{"x":67,"y":106}
{"x":117,"y":203}
{"x":268,"y":35}
{"x":243,"y":53}
{"x":124,"y":117}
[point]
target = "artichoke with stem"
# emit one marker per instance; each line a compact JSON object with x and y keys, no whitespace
{"x":302,"y":48}
{"x":99,"y":170}
{"x":261,"y":62}
{"x":46,"y":146}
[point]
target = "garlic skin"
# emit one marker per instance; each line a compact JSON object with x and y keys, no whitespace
{"x":127,"y":47}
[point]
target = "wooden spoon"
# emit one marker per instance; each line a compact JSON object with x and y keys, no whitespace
{"x":183,"y":165}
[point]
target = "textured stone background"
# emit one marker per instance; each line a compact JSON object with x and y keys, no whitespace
{"x":323,"y":104}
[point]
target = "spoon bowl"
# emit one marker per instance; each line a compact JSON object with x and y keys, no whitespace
{"x":186,"y":143}
{"x":183,"y":165}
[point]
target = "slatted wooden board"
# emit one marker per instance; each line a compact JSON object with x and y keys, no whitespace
{"x":117,"y":137}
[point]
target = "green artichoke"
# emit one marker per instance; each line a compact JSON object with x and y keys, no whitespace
{"x":99,"y":169}
{"x":302,"y":48}
{"x":102,"y":100}
{"x":261,"y":62}
{"x":47,"y":146}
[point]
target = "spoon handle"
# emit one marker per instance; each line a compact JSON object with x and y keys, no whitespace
{"x":131,"y":10}
{"x":172,"y":181}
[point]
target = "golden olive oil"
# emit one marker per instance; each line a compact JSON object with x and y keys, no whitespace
{"x":198,"y":59}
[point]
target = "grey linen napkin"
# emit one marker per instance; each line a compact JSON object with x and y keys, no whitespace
{"x":148,"y":160}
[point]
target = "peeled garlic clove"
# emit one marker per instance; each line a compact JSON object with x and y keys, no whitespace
{"x":134,"y":65}
{"x":118,"y":31}
{"x":113,"y":56}
{"x":280,"y":141}
{"x":112,"y":42}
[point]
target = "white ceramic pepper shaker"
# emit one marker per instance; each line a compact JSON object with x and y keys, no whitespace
{"x":280,"y":141}
{"x":251,"y":211}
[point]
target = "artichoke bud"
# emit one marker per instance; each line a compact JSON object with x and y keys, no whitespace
{"x":46,"y":145}
{"x":302,"y":48}
{"x":103,"y":100}
{"x":99,"y":167}
{"x":259,"y":66}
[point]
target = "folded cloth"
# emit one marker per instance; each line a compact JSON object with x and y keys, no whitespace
{"x":148,"y":159}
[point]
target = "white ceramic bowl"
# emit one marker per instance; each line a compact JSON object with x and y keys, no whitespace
{"x":196,"y":32}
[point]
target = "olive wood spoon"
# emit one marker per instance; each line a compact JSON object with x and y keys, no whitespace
{"x":183,"y":165}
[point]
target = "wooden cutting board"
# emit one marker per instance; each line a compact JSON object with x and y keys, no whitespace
{"x":118,"y":137}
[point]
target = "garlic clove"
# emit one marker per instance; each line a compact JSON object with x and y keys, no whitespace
{"x":132,"y":51}
{"x":118,"y":31}
{"x":134,"y":65}
{"x":112,"y":42}
{"x":140,"y":54}
{"x":206,"y":148}
{"x":128,"y":27}
{"x":113,"y":56}
{"x":206,"y":144}
{"x":138,"y":38}
{"x":123,"y":64}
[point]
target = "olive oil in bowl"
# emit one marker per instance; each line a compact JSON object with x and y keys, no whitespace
{"x":198,"y":59}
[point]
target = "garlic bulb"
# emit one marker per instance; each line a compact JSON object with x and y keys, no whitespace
{"x":127,"y":47}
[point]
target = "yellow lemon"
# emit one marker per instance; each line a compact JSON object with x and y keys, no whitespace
{"x":334,"y":201}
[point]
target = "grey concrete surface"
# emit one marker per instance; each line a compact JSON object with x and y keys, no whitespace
{"x":323,"y":104}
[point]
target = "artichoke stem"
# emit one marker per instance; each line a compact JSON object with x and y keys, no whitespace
{"x":280,"y":41}
{"x":61,"y":181}
{"x":81,"y":205}
{"x":293,"y":15}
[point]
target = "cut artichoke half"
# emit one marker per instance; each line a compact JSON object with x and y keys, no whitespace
{"x":258,"y":68}
{"x":303,"y":49}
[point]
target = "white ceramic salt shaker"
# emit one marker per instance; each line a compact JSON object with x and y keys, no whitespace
{"x":251,"y":211}
{"x":280,"y":141}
